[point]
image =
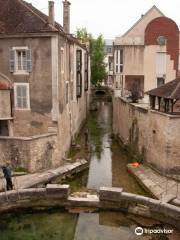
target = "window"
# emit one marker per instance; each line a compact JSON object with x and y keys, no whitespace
{"x":71,"y":60}
{"x":67,"y":92}
{"x":119,"y":60}
{"x":161,"y":64}
{"x":20,"y":60}
{"x":109,"y":49}
{"x":78,"y":73}
{"x":62,"y":60}
{"x":21,"y":95}
{"x":86,"y":75}
{"x":160,"y":82}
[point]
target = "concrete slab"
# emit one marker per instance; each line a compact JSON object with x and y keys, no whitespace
{"x":161,"y":187}
{"x":31,"y":180}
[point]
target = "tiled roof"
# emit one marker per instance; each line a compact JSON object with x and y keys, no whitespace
{"x":170,"y":90}
{"x":17,"y":16}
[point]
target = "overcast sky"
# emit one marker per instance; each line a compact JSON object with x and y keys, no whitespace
{"x":109,"y":17}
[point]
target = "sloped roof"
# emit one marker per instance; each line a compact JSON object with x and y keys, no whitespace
{"x":142,"y":18}
{"x":18,"y":16}
{"x":170,"y":90}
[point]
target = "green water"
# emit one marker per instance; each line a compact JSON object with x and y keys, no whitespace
{"x":60,"y":225}
{"x":36,"y":226}
{"x":108,"y":159}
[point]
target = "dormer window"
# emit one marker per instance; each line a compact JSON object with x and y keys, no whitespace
{"x":20,"y":60}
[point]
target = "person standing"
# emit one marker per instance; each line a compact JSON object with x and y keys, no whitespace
{"x":8,"y":176}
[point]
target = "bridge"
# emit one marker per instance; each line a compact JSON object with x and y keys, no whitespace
{"x":54,"y":195}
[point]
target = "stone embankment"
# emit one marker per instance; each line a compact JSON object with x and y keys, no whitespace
{"x":162,"y":188}
{"x":37,"y":179}
{"x":109,"y":198}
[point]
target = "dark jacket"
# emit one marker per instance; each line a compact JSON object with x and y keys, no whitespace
{"x":6,"y":172}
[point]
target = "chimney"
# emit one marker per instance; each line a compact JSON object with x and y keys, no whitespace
{"x":51,"y":13}
{"x":66,"y":16}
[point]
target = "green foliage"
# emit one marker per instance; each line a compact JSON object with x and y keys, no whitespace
{"x":83,"y":35}
{"x":98,"y":68}
{"x":20,"y":169}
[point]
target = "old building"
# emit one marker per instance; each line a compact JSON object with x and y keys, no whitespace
{"x":147,"y":55}
{"x":109,"y":60}
{"x":44,"y":84}
{"x":151,"y":133}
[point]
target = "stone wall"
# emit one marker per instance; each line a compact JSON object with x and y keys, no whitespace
{"x":32,"y":153}
{"x":38,"y":118}
{"x":152,"y":135}
{"x":109,"y":198}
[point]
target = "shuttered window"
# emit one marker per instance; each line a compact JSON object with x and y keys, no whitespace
{"x":161,"y":64}
{"x":86,"y":74}
{"x":78,"y":73}
{"x":67,"y":92}
{"x":20,"y":60}
{"x":21,"y":94}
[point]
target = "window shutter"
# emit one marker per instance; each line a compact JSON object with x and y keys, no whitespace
{"x":12,"y":61}
{"x":29,"y":60}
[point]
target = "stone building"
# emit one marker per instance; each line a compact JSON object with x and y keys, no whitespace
{"x":44,"y":85}
{"x":147,"y":55}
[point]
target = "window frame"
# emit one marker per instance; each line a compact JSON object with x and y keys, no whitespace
{"x":62,"y":60}
{"x":27,"y":96}
{"x":86,"y":71}
{"x":119,"y":60}
{"x":78,"y":74}
{"x":16,"y":70}
{"x":67,"y":92}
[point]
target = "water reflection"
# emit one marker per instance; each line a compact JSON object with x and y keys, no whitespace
{"x":100,"y":171}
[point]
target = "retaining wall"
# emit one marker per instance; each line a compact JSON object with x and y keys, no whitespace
{"x":152,"y":135}
{"x":32,"y":153}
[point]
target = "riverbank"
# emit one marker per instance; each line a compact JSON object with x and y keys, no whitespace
{"x":162,"y":188}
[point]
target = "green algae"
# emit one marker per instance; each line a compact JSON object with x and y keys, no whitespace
{"x":36,"y":226}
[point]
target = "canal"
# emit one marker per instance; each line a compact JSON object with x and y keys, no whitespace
{"x":107,"y":167}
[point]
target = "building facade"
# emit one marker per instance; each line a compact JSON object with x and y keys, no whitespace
{"x":147,"y":55}
{"x":109,"y":61}
{"x":44,"y":77}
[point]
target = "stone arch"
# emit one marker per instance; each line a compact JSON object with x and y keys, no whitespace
{"x":5,"y":82}
{"x":163,"y":26}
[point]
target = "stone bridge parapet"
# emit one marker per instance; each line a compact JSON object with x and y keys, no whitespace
{"x":107,"y":199}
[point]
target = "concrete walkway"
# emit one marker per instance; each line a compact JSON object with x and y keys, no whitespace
{"x":33,"y":180}
{"x":160,"y":187}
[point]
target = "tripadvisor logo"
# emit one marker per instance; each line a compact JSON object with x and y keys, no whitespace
{"x":139,"y":231}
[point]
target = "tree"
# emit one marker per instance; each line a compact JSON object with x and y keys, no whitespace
{"x":83,"y":35}
{"x":98,"y":68}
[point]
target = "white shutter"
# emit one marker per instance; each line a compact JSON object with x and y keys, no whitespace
{"x":11,"y":60}
{"x":22,"y":96}
{"x":29,"y":60}
{"x":160,"y":64}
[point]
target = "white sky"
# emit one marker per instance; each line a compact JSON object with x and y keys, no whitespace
{"x":109,"y":17}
